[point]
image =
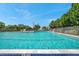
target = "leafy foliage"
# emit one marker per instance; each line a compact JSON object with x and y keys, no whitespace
{"x":36,"y":27}
{"x":44,"y":28}
{"x":71,"y":18}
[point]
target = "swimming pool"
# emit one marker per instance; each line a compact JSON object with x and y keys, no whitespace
{"x":37,"y":40}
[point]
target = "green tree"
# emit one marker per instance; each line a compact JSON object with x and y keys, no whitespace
{"x":2,"y":26}
{"x":28,"y":28}
{"x":44,"y":28}
{"x":71,"y":18}
{"x":11,"y":28}
{"x":36,"y":27}
{"x":21,"y":27}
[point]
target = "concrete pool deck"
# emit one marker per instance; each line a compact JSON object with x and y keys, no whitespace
{"x":39,"y":51}
{"x":42,"y":51}
{"x":67,"y":34}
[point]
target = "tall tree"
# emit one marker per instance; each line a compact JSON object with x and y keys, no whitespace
{"x":2,"y":26}
{"x":71,"y":18}
{"x":44,"y":28}
{"x":36,"y":27}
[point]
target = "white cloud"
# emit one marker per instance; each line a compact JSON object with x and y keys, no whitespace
{"x":11,"y":17}
{"x":24,"y":14}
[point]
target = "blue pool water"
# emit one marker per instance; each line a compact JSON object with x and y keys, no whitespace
{"x":37,"y":40}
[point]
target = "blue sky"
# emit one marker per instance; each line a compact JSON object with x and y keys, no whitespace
{"x":29,"y":14}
